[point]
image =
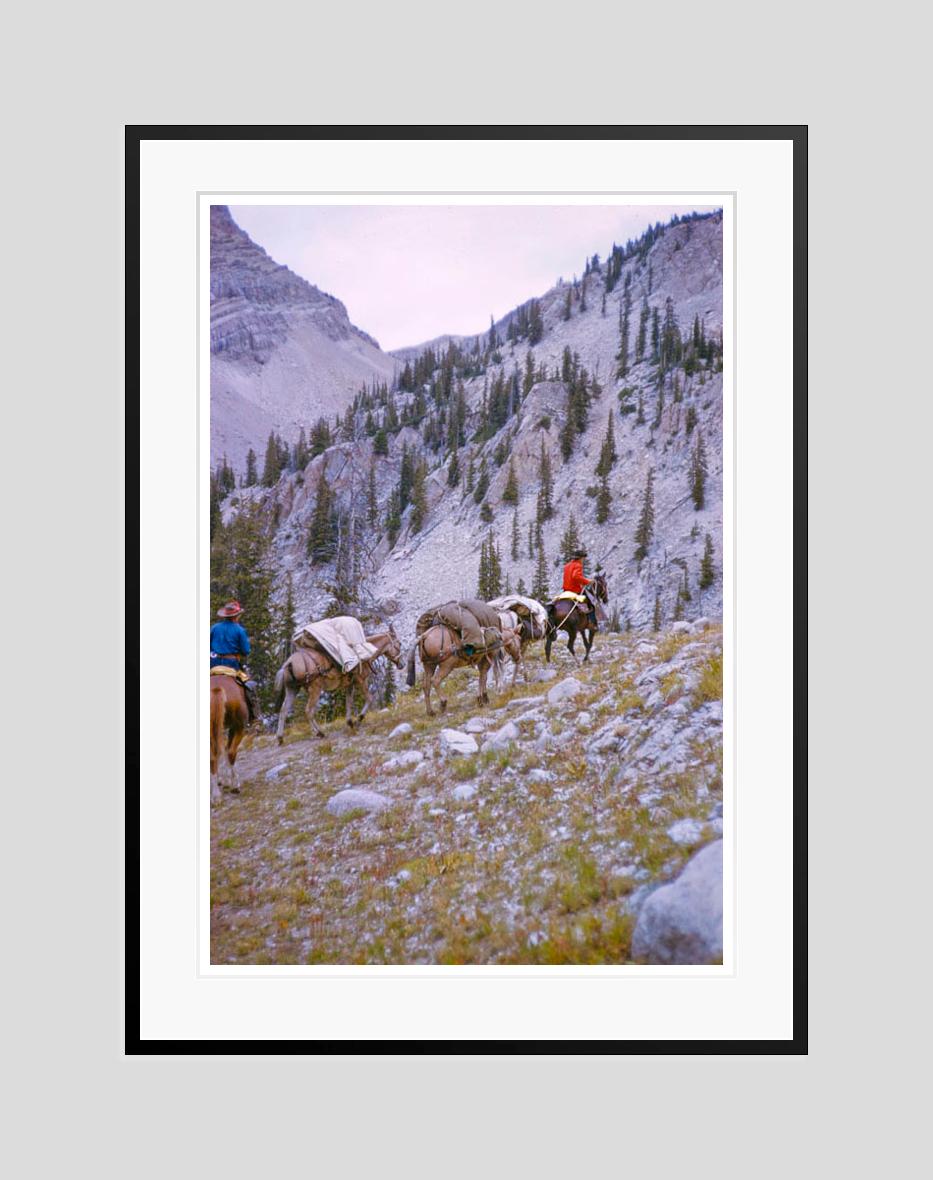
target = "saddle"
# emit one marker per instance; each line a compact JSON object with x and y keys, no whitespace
{"x":236,"y":673}
{"x":571,"y":597}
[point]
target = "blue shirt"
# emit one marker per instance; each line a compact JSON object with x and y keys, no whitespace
{"x":228,"y":638}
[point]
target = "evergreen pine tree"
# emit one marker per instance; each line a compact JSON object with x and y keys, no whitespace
{"x":510,"y":492}
{"x":393,"y":517}
{"x":644,"y":533}
{"x":372,"y":504}
{"x":570,"y":541}
{"x":289,"y":625}
{"x":482,"y":482}
{"x":698,"y":472}
{"x":657,"y":620}
{"x":546,"y":482}
{"x":707,"y":569}
{"x":241,"y":568}
{"x":419,"y":499}
{"x":531,"y":541}
{"x":471,"y":478}
{"x":381,"y":442}
{"x":603,"y":499}
{"x":608,"y":454}
{"x":566,"y":315}
{"x":521,"y":588}
{"x":251,"y":475}
{"x":516,"y":537}
{"x":453,"y":469}
{"x":322,"y":536}
{"x":271,"y":469}
{"x":535,"y":323}
{"x":539,"y":585}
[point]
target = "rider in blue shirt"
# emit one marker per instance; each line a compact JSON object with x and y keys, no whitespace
{"x":230,"y":647}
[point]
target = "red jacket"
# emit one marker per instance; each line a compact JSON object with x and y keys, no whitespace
{"x":573,"y":577}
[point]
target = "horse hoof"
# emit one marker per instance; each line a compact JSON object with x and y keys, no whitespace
{"x":280,"y":741}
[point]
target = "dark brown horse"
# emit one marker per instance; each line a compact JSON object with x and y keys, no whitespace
{"x":316,"y":672}
{"x":441,"y":652}
{"x":565,"y":615}
{"x":229,"y":718}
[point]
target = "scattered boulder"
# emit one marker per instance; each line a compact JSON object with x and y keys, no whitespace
{"x":455,"y":741}
{"x":276,"y":771}
{"x":681,"y":627}
{"x":685,"y":831}
{"x":356,"y":799}
{"x":547,"y":674}
{"x":700,"y":625}
{"x":477,"y":725}
{"x":400,"y":730}
{"x":406,"y":758}
{"x":583,"y":719}
{"x":682,"y":922}
{"x":565,"y":691}
{"x":539,"y":776}
{"x":465,"y":791}
{"x":502,"y":737}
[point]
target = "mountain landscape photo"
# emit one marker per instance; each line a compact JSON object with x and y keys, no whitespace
{"x":578,"y":817}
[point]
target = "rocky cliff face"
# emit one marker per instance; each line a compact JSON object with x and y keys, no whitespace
{"x":441,"y":561}
{"x":283,"y":353}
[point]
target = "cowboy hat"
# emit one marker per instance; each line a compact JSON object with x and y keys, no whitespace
{"x":579,"y":553}
{"x":230,"y":610}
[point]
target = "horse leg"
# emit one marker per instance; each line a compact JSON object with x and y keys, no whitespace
{"x":587,"y":643}
{"x":348,"y":696}
{"x":285,"y":712}
{"x":547,"y":646}
{"x":427,"y":675}
{"x":217,"y":744}
{"x":441,"y":673}
{"x":483,"y":673}
{"x":367,"y":697}
{"x":233,"y":744}
{"x":571,"y":640}
{"x":314,"y":695}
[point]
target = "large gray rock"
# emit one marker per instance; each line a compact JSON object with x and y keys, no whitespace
{"x":455,"y":741}
{"x":682,"y":922}
{"x":400,"y":730}
{"x":476,"y":725}
{"x":565,"y":691}
{"x":356,"y":799}
{"x":407,"y":758}
{"x":502,"y":737}
{"x":681,"y":627}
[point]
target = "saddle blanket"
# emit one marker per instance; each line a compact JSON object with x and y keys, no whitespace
{"x":236,"y":673}
{"x":569,"y":594}
{"x":342,"y":638}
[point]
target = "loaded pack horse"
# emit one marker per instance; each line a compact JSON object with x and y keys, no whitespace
{"x":573,"y":618}
{"x":316,"y":672}
{"x":441,"y":651}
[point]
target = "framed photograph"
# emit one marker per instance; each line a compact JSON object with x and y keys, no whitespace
{"x":477,"y":529}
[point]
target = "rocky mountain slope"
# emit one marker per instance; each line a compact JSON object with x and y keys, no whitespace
{"x":578,"y":820}
{"x":283,"y":353}
{"x":656,"y":431}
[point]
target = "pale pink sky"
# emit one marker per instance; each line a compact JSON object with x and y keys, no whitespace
{"x":408,"y":273}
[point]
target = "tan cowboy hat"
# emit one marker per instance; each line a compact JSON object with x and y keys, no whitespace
{"x":579,"y":553}
{"x":230,"y":610}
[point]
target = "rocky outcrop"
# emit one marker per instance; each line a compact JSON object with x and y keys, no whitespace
{"x":682,"y":922}
{"x":283,"y":353}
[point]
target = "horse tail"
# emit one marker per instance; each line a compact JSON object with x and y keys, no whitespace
{"x":410,"y":678}
{"x":280,"y":682}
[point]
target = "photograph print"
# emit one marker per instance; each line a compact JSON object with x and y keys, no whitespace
{"x":466,"y":584}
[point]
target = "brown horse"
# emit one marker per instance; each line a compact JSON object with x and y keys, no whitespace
{"x":229,"y":718}
{"x":440,"y":651}
{"x":316,"y":672}
{"x":575,"y":618}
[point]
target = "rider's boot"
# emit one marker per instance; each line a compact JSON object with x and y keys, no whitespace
{"x":252,"y":700}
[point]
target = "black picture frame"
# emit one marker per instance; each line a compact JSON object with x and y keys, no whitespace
{"x":135,"y":136}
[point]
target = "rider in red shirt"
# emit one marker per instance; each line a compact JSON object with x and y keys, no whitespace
{"x":573,"y":573}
